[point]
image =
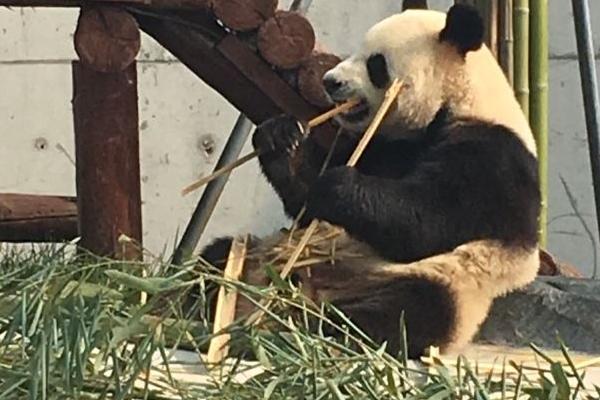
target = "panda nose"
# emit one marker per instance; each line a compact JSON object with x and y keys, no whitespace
{"x":331,"y":85}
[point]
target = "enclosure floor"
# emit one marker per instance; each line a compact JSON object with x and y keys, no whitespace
{"x":187,"y":367}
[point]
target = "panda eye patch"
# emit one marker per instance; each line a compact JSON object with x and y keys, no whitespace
{"x":378,"y":71}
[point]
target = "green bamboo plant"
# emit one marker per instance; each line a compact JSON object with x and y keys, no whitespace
{"x":521,"y":53}
{"x":538,"y":102}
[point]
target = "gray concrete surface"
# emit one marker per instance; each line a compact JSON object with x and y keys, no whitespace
{"x":184,"y":124}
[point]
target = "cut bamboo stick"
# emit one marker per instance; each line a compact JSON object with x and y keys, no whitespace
{"x":390,"y":96}
{"x":226,"y":303}
{"x":229,"y":167}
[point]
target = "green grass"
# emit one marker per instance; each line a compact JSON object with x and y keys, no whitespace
{"x":75,"y":326}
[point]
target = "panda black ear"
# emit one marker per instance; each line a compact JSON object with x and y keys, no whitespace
{"x":464,"y":28}
{"x":414,"y":4}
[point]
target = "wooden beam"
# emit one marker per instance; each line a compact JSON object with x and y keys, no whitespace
{"x":229,"y":66}
{"x":37,"y":218}
{"x":158,"y":4}
{"x":107,"y":152}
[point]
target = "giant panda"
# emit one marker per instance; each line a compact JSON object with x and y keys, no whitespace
{"x":443,"y":206}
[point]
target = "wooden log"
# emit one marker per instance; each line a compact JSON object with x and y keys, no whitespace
{"x":107,"y":39}
{"x":310,"y":78}
{"x":37,"y":218}
{"x":156,"y":4}
{"x":286,"y":40}
{"x":107,"y":153}
{"x":244,"y":15}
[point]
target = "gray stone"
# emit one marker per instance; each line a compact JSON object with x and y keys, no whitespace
{"x":549,"y":308}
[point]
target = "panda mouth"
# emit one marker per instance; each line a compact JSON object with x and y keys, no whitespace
{"x":357,"y":113}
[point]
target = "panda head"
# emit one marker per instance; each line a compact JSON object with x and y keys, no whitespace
{"x":442,"y":62}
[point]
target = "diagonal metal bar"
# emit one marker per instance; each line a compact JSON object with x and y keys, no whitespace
{"x":589,"y":88}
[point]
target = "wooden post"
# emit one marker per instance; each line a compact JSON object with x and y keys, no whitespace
{"x":107,"y":153}
{"x":105,"y":109}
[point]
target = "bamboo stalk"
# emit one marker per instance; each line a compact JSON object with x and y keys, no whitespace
{"x":226,"y":303}
{"x":506,"y":42}
{"x":489,"y":9}
{"x":390,"y":96}
{"x":311,"y":124}
{"x":521,"y":50}
{"x":538,"y":103}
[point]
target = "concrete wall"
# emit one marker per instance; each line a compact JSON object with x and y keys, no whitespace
{"x":184,"y":124}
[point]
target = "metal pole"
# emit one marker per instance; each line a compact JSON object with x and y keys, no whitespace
{"x":213,"y":190}
{"x":589,"y":87}
{"x":300,"y":6}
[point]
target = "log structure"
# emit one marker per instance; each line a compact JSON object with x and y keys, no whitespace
{"x":258,"y":58}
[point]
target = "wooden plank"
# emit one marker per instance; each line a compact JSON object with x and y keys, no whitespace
{"x":261,"y":74}
{"x":229,"y":66}
{"x":37,"y":218}
{"x":107,"y":152}
{"x":226,"y":303}
{"x":158,"y":4}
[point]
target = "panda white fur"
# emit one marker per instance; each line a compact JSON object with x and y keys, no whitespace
{"x":444,"y":203}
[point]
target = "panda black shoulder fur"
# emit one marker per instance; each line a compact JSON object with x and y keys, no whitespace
{"x":444,"y":203}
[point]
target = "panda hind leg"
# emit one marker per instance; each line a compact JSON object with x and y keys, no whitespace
{"x":427,"y":307}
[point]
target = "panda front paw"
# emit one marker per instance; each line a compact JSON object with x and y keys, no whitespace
{"x":282,"y":134}
{"x":332,"y":195}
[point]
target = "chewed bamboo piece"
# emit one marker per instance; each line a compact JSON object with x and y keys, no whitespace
{"x":390,"y":96}
{"x":226,"y":303}
{"x":229,"y":167}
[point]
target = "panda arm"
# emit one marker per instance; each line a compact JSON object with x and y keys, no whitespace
{"x":482,"y":185}
{"x":290,"y":162}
